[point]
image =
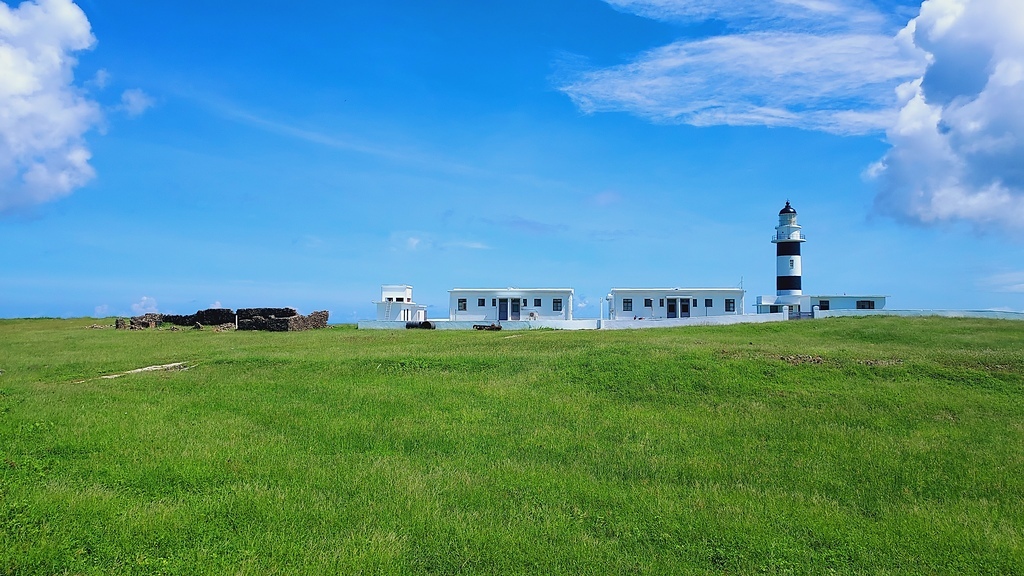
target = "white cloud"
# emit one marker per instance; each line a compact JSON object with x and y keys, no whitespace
{"x":958,"y":142}
{"x":947,"y":90}
{"x":1006,"y":282}
{"x":144,"y":306}
{"x":467,"y":244}
{"x":101,"y":311}
{"x":818,"y":14}
{"x":134,"y":102}
{"x":43,"y":116}
{"x":840,"y":83}
{"x":812,"y":64}
{"x":216,"y":304}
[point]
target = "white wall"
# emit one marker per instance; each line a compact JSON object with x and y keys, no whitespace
{"x":659,"y":301}
{"x":697,"y":321}
{"x":847,"y":302}
{"x":401,"y":312}
{"x":489,"y":311}
{"x":396,"y":291}
{"x":917,"y":313}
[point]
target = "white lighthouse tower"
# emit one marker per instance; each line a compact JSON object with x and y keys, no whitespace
{"x":788,"y":270}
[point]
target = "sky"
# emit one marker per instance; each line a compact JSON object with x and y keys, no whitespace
{"x":176,"y":156}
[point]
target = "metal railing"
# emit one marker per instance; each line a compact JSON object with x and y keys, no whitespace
{"x":793,"y":236}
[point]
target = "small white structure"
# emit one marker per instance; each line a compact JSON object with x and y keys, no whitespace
{"x":396,"y":305}
{"x":770,"y":304}
{"x":659,"y":303}
{"x":788,"y":278}
{"x":500,"y":304}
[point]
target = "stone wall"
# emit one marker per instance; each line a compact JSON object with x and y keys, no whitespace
{"x":269,"y":319}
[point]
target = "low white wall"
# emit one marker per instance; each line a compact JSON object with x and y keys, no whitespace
{"x":945,"y":313}
{"x":692,"y":321}
{"x":587,"y":324}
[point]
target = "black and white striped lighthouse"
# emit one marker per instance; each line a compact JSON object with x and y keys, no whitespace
{"x":787,"y":240}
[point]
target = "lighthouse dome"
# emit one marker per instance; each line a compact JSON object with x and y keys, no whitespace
{"x":787,"y":210}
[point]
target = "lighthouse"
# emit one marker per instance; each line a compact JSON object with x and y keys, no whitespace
{"x":787,"y":240}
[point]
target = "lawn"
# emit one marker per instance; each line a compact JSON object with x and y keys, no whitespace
{"x":851,"y":445}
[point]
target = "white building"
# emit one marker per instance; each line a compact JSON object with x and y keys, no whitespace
{"x":788,"y":277}
{"x":768,"y":304}
{"x":498,"y":304}
{"x":396,"y":305}
{"x":657,"y":303}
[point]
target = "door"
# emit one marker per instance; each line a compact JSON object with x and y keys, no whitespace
{"x":671,"y":308}
{"x":684,"y":307}
{"x":515,"y":309}
{"x":503,"y":309}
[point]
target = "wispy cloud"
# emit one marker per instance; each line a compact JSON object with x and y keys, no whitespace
{"x":528,"y":225}
{"x":842,"y":83}
{"x":419,"y":241}
{"x":945,"y":89}
{"x":469,"y":245}
{"x":606,"y":198}
{"x":1005,"y":282}
{"x":337,"y":141}
{"x":816,"y":14}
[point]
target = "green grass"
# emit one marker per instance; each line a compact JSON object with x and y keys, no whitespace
{"x":854,"y":445}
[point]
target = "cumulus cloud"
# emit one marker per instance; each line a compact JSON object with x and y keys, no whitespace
{"x":945,"y":88}
{"x":145,"y":305}
{"x":43,"y":116}
{"x":958,"y":142}
{"x":101,"y":311}
{"x":134,"y":102}
{"x":816,"y":64}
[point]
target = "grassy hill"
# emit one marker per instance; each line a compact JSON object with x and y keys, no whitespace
{"x":854,"y":445}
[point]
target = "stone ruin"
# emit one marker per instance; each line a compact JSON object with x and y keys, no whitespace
{"x":268,"y":319}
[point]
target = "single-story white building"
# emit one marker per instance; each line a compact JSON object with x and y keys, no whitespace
{"x":654,"y":303}
{"x":498,"y":304}
{"x":396,"y":305}
{"x":805,"y":304}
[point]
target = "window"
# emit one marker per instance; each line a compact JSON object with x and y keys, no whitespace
{"x":648,"y":303}
{"x":661,"y":302}
{"x":627,"y":304}
{"x":790,"y":263}
{"x":524,"y":301}
{"x":536,"y":302}
{"x":694,"y":302}
{"x":399,"y":299}
{"x":556,"y":304}
{"x":708,"y":302}
{"x":481,"y":302}
{"x":730,"y":305}
{"x":823,"y":305}
{"x":865,"y":304}
{"x":494,"y":301}
{"x":462,"y":304}
{"x":775,"y":309}
{"x":390,"y":299}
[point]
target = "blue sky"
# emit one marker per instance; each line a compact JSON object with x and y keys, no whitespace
{"x":176,"y":156}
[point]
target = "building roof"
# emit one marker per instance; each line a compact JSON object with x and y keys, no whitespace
{"x":787,"y":209}
{"x":677,"y":290}
{"x":510,"y":289}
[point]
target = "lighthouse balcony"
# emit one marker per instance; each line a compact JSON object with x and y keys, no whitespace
{"x":792,"y":236}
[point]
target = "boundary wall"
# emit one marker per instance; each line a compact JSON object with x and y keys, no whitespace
{"x":692,"y":321}
{"x":587,"y":323}
{"x":992,"y":314}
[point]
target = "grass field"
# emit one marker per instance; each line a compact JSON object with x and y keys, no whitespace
{"x":854,"y":445}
